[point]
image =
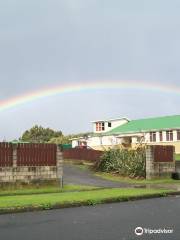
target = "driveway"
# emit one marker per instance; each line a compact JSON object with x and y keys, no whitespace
{"x":115,"y":221}
{"x":73,"y":174}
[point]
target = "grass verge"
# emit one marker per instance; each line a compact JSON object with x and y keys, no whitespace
{"x":177,"y":157}
{"x":29,"y":190}
{"x":69,"y":199}
{"x":113,"y":177}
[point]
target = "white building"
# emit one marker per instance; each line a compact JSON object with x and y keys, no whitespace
{"x":97,"y":140}
{"x":121,"y":131}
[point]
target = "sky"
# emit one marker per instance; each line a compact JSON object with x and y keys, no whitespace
{"x":49,"y":43}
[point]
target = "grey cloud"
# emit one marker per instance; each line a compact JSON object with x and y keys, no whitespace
{"x":46,"y":43}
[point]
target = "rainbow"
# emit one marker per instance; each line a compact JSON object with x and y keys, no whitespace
{"x":78,"y":87}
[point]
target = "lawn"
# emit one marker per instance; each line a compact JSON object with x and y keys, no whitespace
{"x":177,"y":157}
{"x":50,"y":200}
{"x":32,"y":189}
{"x":113,"y":177}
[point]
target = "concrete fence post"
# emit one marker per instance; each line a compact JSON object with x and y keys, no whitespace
{"x":59,"y":165}
{"x":149,"y":162}
{"x":14,"y":163}
{"x":157,"y":162}
{"x":14,"y":156}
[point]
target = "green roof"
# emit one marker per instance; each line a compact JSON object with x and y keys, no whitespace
{"x":146,"y":125}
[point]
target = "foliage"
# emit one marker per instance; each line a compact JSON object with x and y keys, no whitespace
{"x":126,"y":162}
{"x":38,"y":134}
{"x":66,"y":139}
{"x":60,"y":140}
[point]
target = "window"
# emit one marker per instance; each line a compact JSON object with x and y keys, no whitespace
{"x":100,"y":126}
{"x":82,"y":144}
{"x":178,"y":134}
{"x":169,"y":135}
{"x":160,"y":136}
{"x":109,"y":124}
{"x":152,"y":136}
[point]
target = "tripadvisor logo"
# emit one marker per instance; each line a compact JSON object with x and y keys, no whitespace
{"x":140,"y":231}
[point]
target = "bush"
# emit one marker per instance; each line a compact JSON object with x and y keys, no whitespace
{"x":127,"y":162}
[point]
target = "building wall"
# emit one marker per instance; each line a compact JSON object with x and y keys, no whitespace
{"x":117,"y":123}
{"x":74,"y":143}
{"x":114,"y":124}
{"x":110,"y":142}
{"x":104,"y":142}
{"x":175,"y":142}
{"x":102,"y":148}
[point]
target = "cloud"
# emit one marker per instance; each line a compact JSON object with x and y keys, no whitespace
{"x":46,"y":43}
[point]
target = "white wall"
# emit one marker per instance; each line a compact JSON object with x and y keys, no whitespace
{"x":74,"y":143}
{"x":93,"y":141}
{"x":147,"y":137}
{"x":98,"y":141}
{"x":114,"y":124}
{"x":163,"y":135}
{"x":104,"y":140}
{"x":134,"y":139}
{"x":174,"y":135}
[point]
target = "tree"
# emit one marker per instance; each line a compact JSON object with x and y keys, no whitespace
{"x":67,"y":139}
{"x":38,"y":134}
{"x":60,"y":140}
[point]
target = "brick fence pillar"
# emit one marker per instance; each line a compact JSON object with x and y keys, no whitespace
{"x":59,"y":164}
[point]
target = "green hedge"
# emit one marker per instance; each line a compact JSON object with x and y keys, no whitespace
{"x":127,"y":162}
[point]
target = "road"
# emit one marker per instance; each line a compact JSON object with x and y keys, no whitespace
{"x":102,"y":222}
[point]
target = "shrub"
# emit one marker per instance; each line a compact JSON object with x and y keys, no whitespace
{"x":127,"y":162}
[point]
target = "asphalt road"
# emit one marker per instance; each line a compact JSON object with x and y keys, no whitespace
{"x":102,"y":222}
